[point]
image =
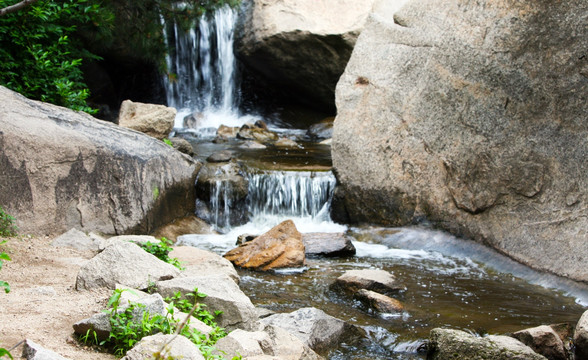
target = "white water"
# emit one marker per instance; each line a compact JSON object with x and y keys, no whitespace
{"x":203,"y":72}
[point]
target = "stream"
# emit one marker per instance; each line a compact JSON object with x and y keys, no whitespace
{"x":450,"y":282}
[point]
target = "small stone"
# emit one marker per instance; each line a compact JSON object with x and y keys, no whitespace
{"x":34,"y":351}
{"x":328,"y":244}
{"x":378,"y":302}
{"x":376,"y":280}
{"x":220,"y":156}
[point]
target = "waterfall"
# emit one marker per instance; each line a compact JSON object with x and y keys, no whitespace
{"x":274,"y":196}
{"x":202,"y":71}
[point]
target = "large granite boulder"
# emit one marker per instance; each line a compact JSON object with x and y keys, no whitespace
{"x":151,"y":119}
{"x":123,"y":263}
{"x":280,"y":247}
{"x":472,"y":115}
{"x":169,"y":346}
{"x":301,"y":45}
{"x":581,"y":337}
{"x":198,"y":262}
{"x":317,"y":329}
{"x":63,"y":169}
{"x":444,"y":344}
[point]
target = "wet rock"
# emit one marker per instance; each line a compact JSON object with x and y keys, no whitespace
{"x":499,"y":170}
{"x":76,"y":239}
{"x":185,"y":225}
{"x":318,"y":330}
{"x":252,"y":145}
{"x":63,"y":169}
{"x":322,"y":130}
{"x":153,"y":120}
{"x":227,"y":132}
{"x":34,"y":351}
{"x":123,"y":263}
{"x":280,"y":247}
{"x":378,"y":302}
{"x":197,"y":262}
{"x":444,"y":344}
{"x":270,"y":343}
{"x":173,"y":346}
{"x":257,"y":133}
{"x":301,"y":45}
{"x":219,"y":185}
{"x":243,"y":238}
{"x":376,"y":280}
{"x":182,"y":145}
{"x":328,"y":244}
{"x":193,"y":121}
{"x":581,"y":337}
{"x":220,"y":156}
{"x":285,"y":142}
{"x":543,"y":340}
{"x":222,"y":294}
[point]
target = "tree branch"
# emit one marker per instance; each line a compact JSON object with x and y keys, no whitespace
{"x":16,"y":7}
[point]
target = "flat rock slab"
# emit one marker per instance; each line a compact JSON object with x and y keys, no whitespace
{"x":315,"y":328}
{"x":175,"y":347}
{"x":328,"y":244}
{"x":445,"y":343}
{"x":123,"y":263}
{"x":197,"y":262}
{"x":34,"y":351}
{"x":370,"y":279}
{"x":222,"y":293}
{"x":280,"y":247}
{"x":78,"y":240}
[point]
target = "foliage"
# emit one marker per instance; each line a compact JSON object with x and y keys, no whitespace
{"x":4,"y":352}
{"x":161,"y":251}
{"x":128,"y":328}
{"x":40,"y":56}
{"x":168,"y":141}
{"x":7,"y":226}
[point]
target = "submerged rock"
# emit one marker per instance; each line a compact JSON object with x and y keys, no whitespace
{"x":370,"y":279}
{"x":544,"y":340}
{"x":153,"y":120}
{"x":445,"y":344}
{"x":280,"y":247}
{"x":318,"y":330}
{"x":378,"y":302}
{"x":328,"y":244}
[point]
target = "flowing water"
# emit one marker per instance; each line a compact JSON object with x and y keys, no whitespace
{"x":450,"y":282}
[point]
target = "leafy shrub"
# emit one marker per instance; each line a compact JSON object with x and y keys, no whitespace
{"x":161,"y":251}
{"x":7,"y":226}
{"x":39,"y":58}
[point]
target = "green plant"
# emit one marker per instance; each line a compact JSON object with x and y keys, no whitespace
{"x":168,"y":141}
{"x":4,"y":352}
{"x":161,"y":251}
{"x":42,"y":57}
{"x":7,"y":226}
{"x":131,"y":324}
{"x":4,"y":257}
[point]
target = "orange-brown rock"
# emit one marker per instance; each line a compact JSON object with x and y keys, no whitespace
{"x":281,"y":247}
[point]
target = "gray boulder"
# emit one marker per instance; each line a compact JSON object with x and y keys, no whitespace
{"x":475,"y":120}
{"x":222,"y":293}
{"x":270,"y":343}
{"x":445,"y":343}
{"x":154,"y":120}
{"x":168,"y":346}
{"x":197,"y":262}
{"x":182,"y":145}
{"x":123,"y":263}
{"x":78,"y":240}
{"x":328,"y":244}
{"x":301,"y":45}
{"x":34,"y":351}
{"x":63,"y":169}
{"x":543,"y":340}
{"x":581,"y":337}
{"x":136,"y":239}
{"x":318,"y":330}
{"x":370,"y":279}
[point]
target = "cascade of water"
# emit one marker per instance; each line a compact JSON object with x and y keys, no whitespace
{"x":202,"y":70}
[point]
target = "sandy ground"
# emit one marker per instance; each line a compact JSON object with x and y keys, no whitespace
{"x":43,"y":304}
